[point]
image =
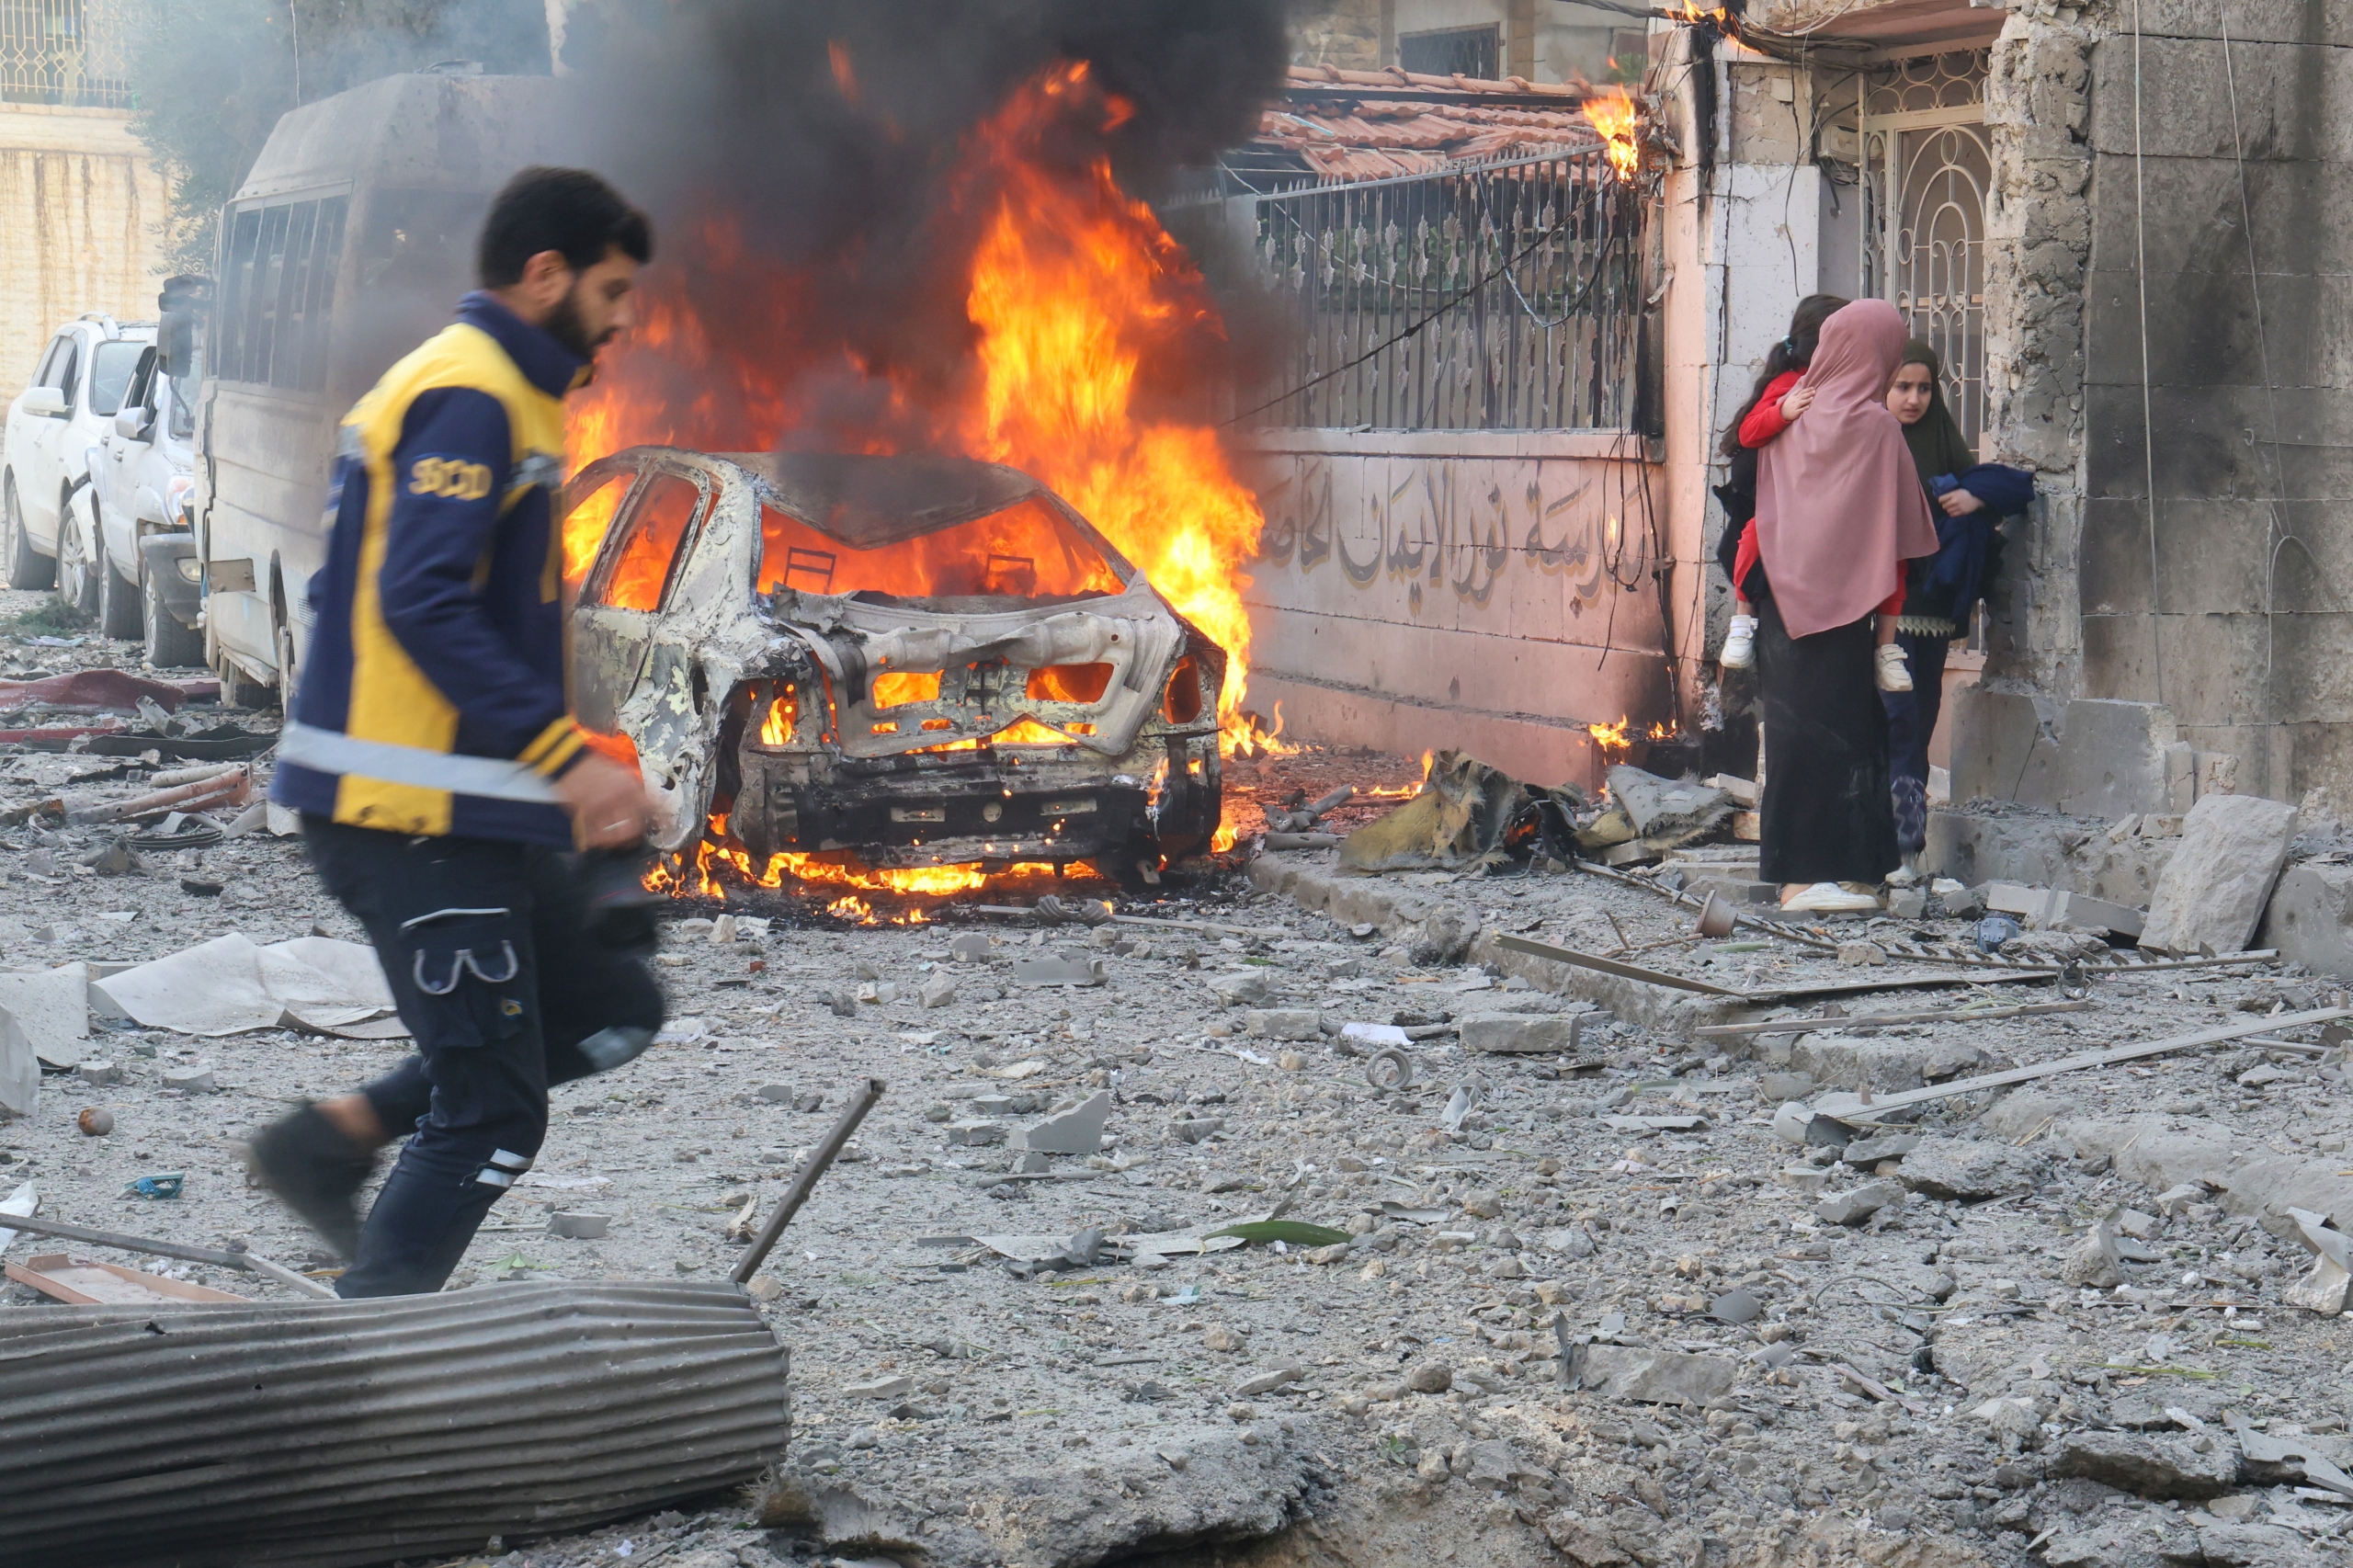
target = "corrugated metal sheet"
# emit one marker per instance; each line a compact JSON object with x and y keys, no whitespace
{"x":357,"y":1432}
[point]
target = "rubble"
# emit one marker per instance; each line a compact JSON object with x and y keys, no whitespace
{"x":2192,"y":1467}
{"x":2212,"y":895}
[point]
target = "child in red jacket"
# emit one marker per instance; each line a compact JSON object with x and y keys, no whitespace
{"x":1780,"y":406}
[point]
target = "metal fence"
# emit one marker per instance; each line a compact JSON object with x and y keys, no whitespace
{"x":1504,"y":297}
{"x":64,"y":52}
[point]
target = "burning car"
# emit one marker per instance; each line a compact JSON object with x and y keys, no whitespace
{"x":899,"y":661}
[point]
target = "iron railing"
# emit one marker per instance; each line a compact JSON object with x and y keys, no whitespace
{"x":1504,"y":296}
{"x":64,"y":52}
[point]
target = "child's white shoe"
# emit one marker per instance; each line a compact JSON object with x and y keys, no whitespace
{"x":1740,"y":647}
{"x":1894,"y":669}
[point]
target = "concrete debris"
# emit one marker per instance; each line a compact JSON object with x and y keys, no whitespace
{"x":1655,"y":1376}
{"x":1968,"y":1171}
{"x":1520,"y":1034}
{"x":1078,"y":1131}
{"x":19,"y":1068}
{"x":1240,"y":988}
{"x":1267,"y":1383}
{"x":1066,"y":971}
{"x":1854,"y":1206}
{"x":2159,"y":1467}
{"x":579,"y":1226}
{"x":2212,"y":895}
{"x":1283,"y":1023}
{"x":2095,"y":1263}
{"x":1863,"y":1153}
{"x":52,"y":1007}
{"x":1457,"y":817}
{"x":2325,"y":1289}
{"x":2270,"y":1458}
{"x":1666,"y":812}
{"x":940,"y":991}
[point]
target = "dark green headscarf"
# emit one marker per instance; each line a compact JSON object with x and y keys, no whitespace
{"x":1937,"y":446}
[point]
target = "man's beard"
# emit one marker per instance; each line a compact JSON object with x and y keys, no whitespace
{"x":563,"y":325}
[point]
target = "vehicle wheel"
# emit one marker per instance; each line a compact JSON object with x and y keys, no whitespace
{"x":289,"y":679}
{"x":27,"y":567}
{"x":118,"y":600}
{"x":170,"y":645}
{"x":77,"y":584}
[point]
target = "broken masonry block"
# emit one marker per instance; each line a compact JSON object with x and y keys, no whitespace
{"x":1518,"y":1034}
{"x":1078,"y":1131}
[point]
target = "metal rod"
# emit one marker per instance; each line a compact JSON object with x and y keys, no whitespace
{"x":819,"y":1160}
{"x":1883,"y":1103}
{"x":244,"y":1262}
{"x":1882,"y":1020}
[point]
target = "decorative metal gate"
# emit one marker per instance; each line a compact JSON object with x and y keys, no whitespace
{"x":1506,"y":296}
{"x":64,"y":52}
{"x":1926,"y":172}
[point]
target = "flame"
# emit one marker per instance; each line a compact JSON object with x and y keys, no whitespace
{"x":1078,"y":302}
{"x":1611,"y":112}
{"x":1691,"y":15}
{"x":849,"y":906}
{"x":1613,"y":739}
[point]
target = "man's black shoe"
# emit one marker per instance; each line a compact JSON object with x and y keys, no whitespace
{"x":316,"y":1170}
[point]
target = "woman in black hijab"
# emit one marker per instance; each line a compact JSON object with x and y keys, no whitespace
{"x":1941,"y":590}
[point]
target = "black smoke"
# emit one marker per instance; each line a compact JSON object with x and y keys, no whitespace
{"x":824,"y":135}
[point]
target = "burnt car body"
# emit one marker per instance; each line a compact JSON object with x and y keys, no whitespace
{"x":906,"y":661}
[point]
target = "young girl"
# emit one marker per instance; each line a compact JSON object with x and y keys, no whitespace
{"x":1784,"y":363}
{"x":1778,"y":401}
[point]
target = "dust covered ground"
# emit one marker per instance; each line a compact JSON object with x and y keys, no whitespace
{"x":1945,"y":1382}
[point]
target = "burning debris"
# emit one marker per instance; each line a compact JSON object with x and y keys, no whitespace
{"x":1056,"y":696}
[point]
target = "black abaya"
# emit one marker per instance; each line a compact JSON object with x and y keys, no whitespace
{"x":1827,"y":814}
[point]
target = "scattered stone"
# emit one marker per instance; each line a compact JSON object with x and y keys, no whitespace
{"x":2093,"y":1262}
{"x":1781,"y":1088}
{"x":2138,"y":1226}
{"x":1223,"y":1339}
{"x":579,"y":1226}
{"x":1735,"y":1307}
{"x":1861,"y":955}
{"x":189,"y":1080}
{"x":1240,"y":988}
{"x":1283,"y":1023}
{"x":1078,"y":1131}
{"x":1948,"y":1168}
{"x":2175,"y":1202}
{"x":2148,"y":1466}
{"x":96,"y":1071}
{"x":940,"y":991}
{"x":976,"y":1134}
{"x":1326,"y":1255}
{"x":1430,"y":1377}
{"x":2212,"y":891}
{"x":1871,"y":1151}
{"x":1521,"y":1034}
{"x":1569,"y":1242}
{"x":896,"y":1386}
{"x":1491,"y":1463}
{"x":1854,"y":1206}
{"x":1656,"y":1377}
{"x":776,"y":1094}
{"x":1267,"y":1383}
{"x":969,"y":946}
{"x":1193,"y":1129}
{"x":1059,"y":971}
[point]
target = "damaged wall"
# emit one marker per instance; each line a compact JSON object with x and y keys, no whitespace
{"x":1484,"y":591}
{"x":2234,"y":614}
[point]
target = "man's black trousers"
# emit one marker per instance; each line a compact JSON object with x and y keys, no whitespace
{"x":491,"y":973}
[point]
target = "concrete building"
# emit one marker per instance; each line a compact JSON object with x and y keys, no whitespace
{"x":81,"y":208}
{"x":2117,"y":222}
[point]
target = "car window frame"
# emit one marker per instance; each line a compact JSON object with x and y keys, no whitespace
{"x":69,"y":369}
{"x":592,"y":589}
{"x":48,"y":360}
{"x":90,"y":382}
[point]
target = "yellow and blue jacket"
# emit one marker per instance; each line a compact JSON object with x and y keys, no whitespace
{"x":432,"y":700}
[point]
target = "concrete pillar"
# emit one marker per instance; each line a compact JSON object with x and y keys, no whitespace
{"x":1519,"y":39}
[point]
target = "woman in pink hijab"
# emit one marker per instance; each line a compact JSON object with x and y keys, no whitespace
{"x":1839,"y":509}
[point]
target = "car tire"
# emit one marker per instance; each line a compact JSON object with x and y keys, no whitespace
{"x":77,"y":573}
{"x":170,"y":645}
{"x":25,"y":567}
{"x":118,"y":613}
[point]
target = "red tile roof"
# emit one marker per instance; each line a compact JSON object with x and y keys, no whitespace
{"x":1352,"y":125}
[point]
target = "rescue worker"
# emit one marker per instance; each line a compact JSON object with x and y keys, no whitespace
{"x":441,"y":782}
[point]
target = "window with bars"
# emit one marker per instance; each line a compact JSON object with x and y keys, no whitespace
{"x":64,"y":52}
{"x":276,"y":292}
